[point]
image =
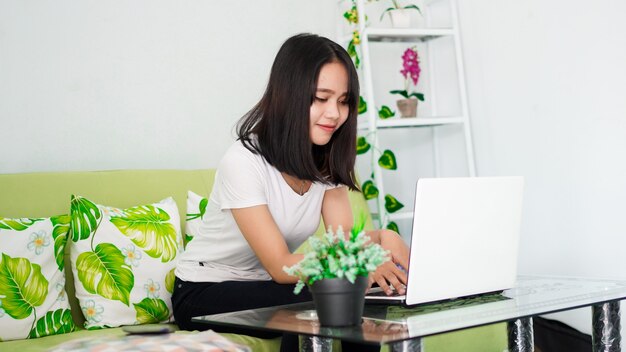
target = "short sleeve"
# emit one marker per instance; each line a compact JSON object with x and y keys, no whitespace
{"x":241,"y":179}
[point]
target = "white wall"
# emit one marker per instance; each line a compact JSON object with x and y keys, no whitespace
{"x":93,"y":85}
{"x":89,"y":85}
{"x":546,"y":84}
{"x":545,"y":81}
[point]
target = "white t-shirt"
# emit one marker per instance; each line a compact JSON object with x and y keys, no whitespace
{"x":244,"y":179}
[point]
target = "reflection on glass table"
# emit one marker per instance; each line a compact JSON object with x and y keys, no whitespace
{"x":403,"y":327}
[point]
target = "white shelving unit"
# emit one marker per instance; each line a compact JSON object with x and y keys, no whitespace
{"x":374,"y":123}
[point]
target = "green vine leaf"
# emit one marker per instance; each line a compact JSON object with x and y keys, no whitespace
{"x":369,"y":190}
{"x":17,"y":224}
{"x":385,"y":112}
{"x":53,"y":323}
{"x":169,"y":281}
{"x":85,"y":216}
{"x":151,"y":310}
{"x":61,"y":228}
{"x":22,"y":286}
{"x":392,"y":204}
{"x":393,"y":227}
{"x":362,"y":146}
{"x":362,"y":105}
{"x":104,"y":272}
{"x":388,"y":160}
{"x":353,"y":53}
{"x":352,"y":16}
{"x":148,"y":227}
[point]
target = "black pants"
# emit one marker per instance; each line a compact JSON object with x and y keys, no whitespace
{"x":192,"y":299}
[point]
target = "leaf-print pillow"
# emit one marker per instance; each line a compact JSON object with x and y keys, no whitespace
{"x":196,"y":207}
{"x":123,"y":261}
{"x":33,"y":301}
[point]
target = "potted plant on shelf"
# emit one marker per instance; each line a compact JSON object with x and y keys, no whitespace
{"x":411,"y":72}
{"x":400,"y":15}
{"x":336,"y":270}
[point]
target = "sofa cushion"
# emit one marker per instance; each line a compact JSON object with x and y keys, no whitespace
{"x":123,"y":261}
{"x":33,"y":301}
{"x":196,"y":207}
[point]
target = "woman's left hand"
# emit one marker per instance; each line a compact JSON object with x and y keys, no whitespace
{"x":392,"y":272}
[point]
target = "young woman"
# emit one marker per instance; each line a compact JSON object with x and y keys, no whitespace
{"x":293,"y":161}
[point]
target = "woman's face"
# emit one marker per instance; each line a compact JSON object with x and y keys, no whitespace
{"x":329,"y":109}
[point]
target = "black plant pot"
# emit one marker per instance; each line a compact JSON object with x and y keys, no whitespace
{"x":339,"y":302}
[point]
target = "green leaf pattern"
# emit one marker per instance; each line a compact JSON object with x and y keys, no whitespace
{"x":61,"y":228}
{"x":151,"y":310}
{"x":53,"y":323}
{"x":148,"y":227}
{"x":104,"y":272}
{"x":18,"y":224}
{"x":169,"y":281}
{"x":85,"y":216}
{"x":22,"y":286}
{"x":201,"y":210}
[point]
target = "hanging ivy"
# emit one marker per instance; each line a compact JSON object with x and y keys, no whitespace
{"x":387,"y":160}
{"x":385,"y":112}
{"x":362,"y":146}
{"x":393,"y":226}
{"x":392,"y":204}
{"x":352,"y":16}
{"x":369,"y":190}
{"x":362,"y":105}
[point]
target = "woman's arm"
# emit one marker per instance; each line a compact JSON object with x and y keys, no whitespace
{"x":336,"y":210}
{"x":263,"y":235}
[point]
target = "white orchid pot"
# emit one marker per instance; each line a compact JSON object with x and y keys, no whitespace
{"x":400,"y":18}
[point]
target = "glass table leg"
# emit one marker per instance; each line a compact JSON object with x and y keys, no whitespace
{"x":520,"y":334}
{"x":414,"y":345}
{"x":315,"y":344}
{"x":606,"y":327}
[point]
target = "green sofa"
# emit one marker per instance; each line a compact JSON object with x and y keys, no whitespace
{"x":47,"y":194}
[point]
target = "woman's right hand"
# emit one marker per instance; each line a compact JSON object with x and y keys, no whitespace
{"x":393,"y":272}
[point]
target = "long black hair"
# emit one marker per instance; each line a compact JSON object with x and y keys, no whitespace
{"x":281,"y":119}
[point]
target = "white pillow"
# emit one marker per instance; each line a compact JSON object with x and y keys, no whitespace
{"x":196,"y":207}
{"x":33,"y":301}
{"x":123,"y":261}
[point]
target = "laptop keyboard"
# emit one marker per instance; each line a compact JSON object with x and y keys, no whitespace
{"x":378,"y":292}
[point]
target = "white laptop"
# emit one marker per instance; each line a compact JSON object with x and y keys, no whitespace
{"x":464,"y":240}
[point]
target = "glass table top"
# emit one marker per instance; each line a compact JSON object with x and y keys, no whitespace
{"x":532,"y":295}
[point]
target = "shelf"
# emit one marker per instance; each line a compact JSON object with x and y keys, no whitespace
{"x":406,"y":34}
{"x":413,"y":122}
{"x":397,"y":216}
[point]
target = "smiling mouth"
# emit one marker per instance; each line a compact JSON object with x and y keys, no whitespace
{"x":327,"y":128}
